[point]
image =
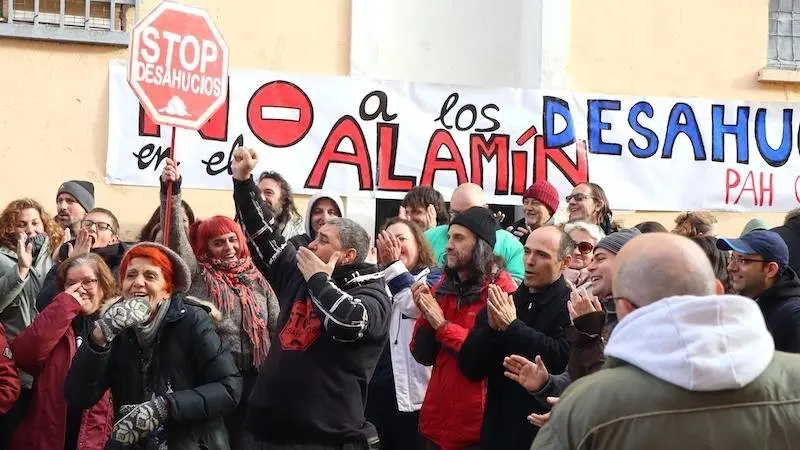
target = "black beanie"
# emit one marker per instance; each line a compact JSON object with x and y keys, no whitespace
{"x":480,"y":221}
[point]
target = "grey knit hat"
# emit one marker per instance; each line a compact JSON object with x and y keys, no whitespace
{"x":181,"y":276}
{"x":615,"y":241}
{"x":83,"y":191}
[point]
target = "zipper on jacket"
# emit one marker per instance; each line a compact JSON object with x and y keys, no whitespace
{"x":399,"y":322}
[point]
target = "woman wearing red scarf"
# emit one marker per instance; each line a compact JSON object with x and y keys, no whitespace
{"x":223,"y":272}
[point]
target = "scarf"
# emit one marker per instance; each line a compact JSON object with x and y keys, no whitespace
{"x":229,"y":279}
{"x":146,"y":334}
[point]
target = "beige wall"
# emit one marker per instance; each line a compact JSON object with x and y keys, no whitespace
{"x":685,"y":48}
{"x":54,"y":101}
{"x":53,"y":104}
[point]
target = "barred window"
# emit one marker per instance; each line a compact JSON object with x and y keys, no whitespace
{"x":86,"y":21}
{"x":783,"y":51}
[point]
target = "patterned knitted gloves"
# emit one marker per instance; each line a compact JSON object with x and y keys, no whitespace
{"x":138,"y":421}
{"x":122,"y":315}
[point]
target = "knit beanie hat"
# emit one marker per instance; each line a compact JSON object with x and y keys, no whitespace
{"x":545,"y":193}
{"x":480,"y":221}
{"x":615,"y":241}
{"x":83,"y":191}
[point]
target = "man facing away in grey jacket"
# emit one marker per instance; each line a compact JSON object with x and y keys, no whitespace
{"x":687,"y":367}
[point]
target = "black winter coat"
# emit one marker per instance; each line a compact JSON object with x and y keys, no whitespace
{"x":780,"y":305}
{"x":790,"y":232}
{"x":312,"y":389}
{"x":539,"y":329}
{"x":193,"y":372}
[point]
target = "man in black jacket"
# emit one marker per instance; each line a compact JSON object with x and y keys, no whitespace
{"x":532,"y":323}
{"x":790,"y":232}
{"x":759,"y":269}
{"x":335,"y":310}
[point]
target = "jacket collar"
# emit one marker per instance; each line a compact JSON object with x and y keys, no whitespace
{"x":787,"y":286}
{"x":546,"y":295}
{"x":355,"y":274}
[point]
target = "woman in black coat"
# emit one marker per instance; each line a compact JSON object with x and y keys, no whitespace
{"x":170,"y":377}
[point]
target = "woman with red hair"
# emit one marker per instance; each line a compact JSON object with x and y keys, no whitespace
{"x":171,"y":378}
{"x":223,"y":272}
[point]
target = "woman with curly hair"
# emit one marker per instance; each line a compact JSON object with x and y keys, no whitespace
{"x":27,"y":234}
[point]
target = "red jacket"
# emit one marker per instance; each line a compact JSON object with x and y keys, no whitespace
{"x":9,"y":379}
{"x":452,"y":412}
{"x":45,"y":350}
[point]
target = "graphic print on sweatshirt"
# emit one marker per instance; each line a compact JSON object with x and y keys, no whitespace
{"x":302,"y":328}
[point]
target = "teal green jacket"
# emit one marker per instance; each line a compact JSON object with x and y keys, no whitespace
{"x":507,"y":246}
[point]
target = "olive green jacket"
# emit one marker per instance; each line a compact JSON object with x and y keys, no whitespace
{"x":684,"y":373}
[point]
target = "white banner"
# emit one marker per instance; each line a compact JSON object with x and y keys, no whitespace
{"x":362,"y":137}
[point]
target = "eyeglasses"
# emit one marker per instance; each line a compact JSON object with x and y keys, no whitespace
{"x":585,"y":247}
{"x":101,"y":226}
{"x":578,"y":197}
{"x":738,"y":260}
{"x":87,"y":284}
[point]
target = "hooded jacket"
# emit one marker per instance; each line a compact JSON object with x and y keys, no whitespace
{"x":312,"y":388}
{"x":790,"y":232}
{"x":302,"y":240}
{"x":780,"y":305}
{"x":453,"y":409}
{"x":684,"y":372}
{"x":539,"y":329}
{"x":191,"y":369}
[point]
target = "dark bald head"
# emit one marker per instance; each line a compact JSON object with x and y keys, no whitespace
{"x":654,"y":266}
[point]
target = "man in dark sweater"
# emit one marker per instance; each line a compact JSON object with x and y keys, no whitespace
{"x":529,"y":324}
{"x":759,"y":269}
{"x":335,"y":310}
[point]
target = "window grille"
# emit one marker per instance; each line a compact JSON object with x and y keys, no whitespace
{"x":85,"y":21}
{"x":783,"y":51}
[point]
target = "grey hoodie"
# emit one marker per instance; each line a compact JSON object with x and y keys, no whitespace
{"x":302,"y":240}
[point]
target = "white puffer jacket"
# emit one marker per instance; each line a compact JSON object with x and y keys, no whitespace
{"x":410,"y":377}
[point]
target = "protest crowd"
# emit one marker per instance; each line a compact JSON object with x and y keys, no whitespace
{"x":270,"y":329}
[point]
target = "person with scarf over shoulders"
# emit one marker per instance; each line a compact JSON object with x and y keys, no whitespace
{"x":335,"y":310}
{"x":223,"y":272}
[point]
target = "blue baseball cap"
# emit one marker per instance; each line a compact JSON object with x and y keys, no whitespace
{"x":768,"y":244}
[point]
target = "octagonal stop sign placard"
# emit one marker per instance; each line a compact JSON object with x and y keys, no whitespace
{"x":178,"y":65}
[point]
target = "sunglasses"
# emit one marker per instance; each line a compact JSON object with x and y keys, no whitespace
{"x":585,"y":247}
